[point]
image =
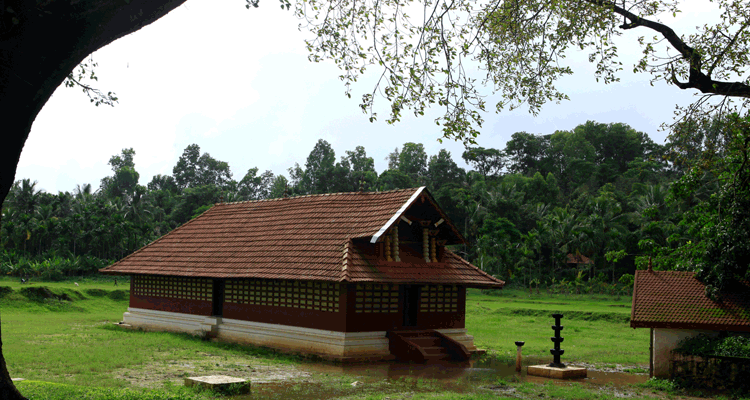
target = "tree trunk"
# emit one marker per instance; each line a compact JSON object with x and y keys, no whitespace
{"x":7,"y":388}
{"x":40,"y":44}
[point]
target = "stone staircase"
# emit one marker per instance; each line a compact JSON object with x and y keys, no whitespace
{"x":421,"y":346}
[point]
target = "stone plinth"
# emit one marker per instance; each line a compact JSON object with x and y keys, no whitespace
{"x":220,"y":383}
{"x":557,"y":373}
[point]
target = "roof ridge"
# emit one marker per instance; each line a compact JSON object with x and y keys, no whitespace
{"x":316,"y":195}
{"x":347,"y":258}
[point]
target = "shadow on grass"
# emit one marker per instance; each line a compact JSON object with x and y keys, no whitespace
{"x":117,"y":294}
{"x":570,"y":315}
{"x":5,"y":290}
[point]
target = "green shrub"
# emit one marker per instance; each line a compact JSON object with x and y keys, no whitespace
{"x":5,"y":290}
{"x":664,"y":385}
{"x":704,"y":345}
{"x":734,"y":346}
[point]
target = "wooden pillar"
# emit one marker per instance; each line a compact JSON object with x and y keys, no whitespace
{"x":395,"y":244}
{"x":388,"y":238}
{"x":426,"y":244}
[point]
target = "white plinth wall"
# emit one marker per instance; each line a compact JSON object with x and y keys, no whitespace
{"x":666,"y":340}
{"x":328,"y":344}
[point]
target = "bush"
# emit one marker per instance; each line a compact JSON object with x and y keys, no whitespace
{"x":49,"y":266}
{"x":704,"y":345}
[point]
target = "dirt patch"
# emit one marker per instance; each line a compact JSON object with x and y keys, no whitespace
{"x":156,"y":374}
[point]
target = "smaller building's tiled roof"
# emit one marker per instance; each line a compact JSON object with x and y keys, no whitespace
{"x":578,"y":259}
{"x":676,"y":299}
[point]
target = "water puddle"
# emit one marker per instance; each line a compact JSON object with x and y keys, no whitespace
{"x":457,"y":377}
{"x":482,"y":369}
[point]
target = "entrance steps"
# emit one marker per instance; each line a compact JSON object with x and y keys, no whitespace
{"x":425,"y":345}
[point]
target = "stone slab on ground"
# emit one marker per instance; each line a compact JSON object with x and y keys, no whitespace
{"x":546,"y":371}
{"x":17,"y":379}
{"x":219,"y":383}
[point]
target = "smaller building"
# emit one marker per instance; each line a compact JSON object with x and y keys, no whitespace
{"x":579,"y":259}
{"x":675,"y":306}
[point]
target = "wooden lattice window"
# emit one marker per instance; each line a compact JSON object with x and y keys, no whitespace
{"x":318,"y":296}
{"x":376,"y":298}
{"x":172,"y":287}
{"x":439,"y":298}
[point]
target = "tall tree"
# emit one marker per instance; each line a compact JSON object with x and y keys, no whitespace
{"x":278,"y":187}
{"x":443,"y":171}
{"x":194,"y":169}
{"x":125,"y":179}
{"x":521,"y":48}
{"x":488,"y":162}
{"x":254,"y":186}
{"x":163,"y":182}
{"x":319,"y":168}
{"x":362,"y":168}
{"x":359,"y":160}
{"x":721,"y":221}
{"x":412,"y":161}
{"x":526,"y":152}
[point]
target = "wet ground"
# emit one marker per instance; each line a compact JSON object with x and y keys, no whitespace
{"x":479,"y":369}
{"x":456,"y":377}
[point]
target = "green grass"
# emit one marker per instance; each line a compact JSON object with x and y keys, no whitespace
{"x":35,"y":390}
{"x":597,"y":329}
{"x":85,"y":282}
{"x":76,"y":342}
{"x":73,"y":348}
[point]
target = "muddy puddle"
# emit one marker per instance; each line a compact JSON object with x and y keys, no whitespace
{"x":456,"y":377}
{"x":471,"y":370}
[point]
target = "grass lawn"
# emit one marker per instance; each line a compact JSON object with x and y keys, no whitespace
{"x":71,"y":349}
{"x":597,"y":328}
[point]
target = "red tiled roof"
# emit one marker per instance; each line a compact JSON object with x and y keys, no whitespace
{"x":676,"y":299}
{"x":364,"y":266}
{"x":305,"y":237}
{"x":578,"y":259}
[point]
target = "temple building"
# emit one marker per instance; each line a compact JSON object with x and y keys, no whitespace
{"x":346,"y":276}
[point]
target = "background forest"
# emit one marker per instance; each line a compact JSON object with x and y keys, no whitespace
{"x":533,"y":212}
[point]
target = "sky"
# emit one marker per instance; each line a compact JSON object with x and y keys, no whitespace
{"x":237,"y":82}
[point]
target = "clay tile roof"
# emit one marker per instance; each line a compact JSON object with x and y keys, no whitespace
{"x":676,"y":299}
{"x":304,"y":237}
{"x":452,"y":269}
{"x":578,"y":259}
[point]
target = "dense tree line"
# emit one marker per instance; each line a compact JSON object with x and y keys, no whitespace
{"x":602,"y":191}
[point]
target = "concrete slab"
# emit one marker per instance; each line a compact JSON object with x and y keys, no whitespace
{"x":220,"y":383}
{"x":17,"y":379}
{"x":546,"y":371}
